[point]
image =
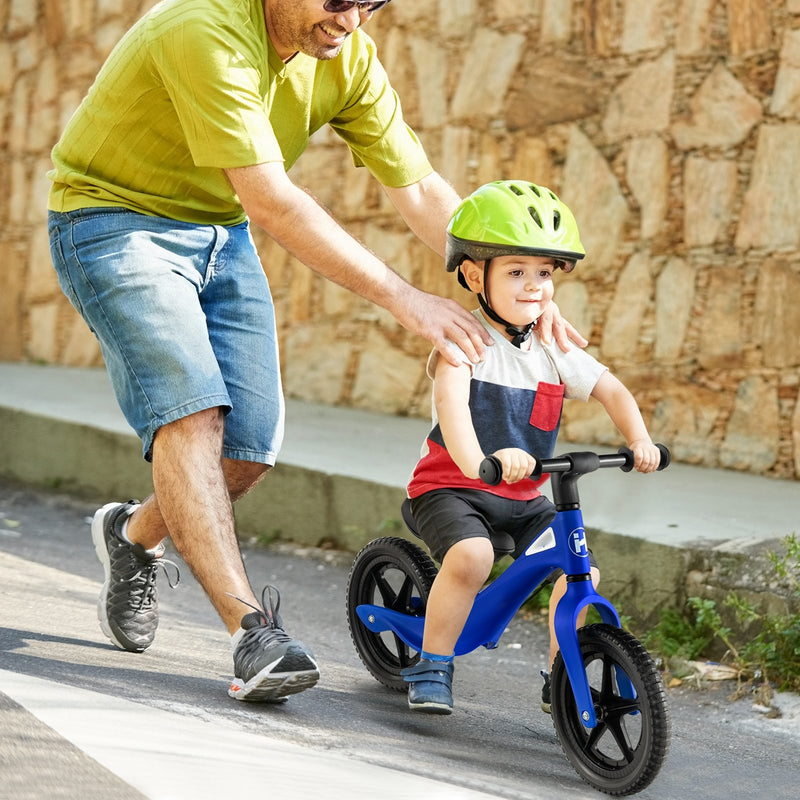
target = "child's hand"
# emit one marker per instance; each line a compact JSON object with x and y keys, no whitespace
{"x":646,"y":456}
{"x":516,"y":463}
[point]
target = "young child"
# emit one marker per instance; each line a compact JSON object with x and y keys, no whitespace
{"x":505,"y":241}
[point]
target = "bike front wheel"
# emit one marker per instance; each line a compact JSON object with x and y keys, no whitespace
{"x":625,"y":751}
{"x":393,"y":573}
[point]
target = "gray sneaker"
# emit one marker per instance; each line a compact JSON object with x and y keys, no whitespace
{"x":269,"y":665}
{"x":128,"y":604}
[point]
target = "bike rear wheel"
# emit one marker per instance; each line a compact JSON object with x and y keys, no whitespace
{"x":393,"y":573}
{"x":624,"y":752}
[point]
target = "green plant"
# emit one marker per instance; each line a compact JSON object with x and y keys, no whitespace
{"x":684,"y":635}
{"x":765,"y":649}
{"x":773,"y":653}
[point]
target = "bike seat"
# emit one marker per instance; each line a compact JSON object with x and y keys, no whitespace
{"x":502,"y":543}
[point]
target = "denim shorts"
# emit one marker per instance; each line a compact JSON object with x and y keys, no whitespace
{"x":185,"y":321}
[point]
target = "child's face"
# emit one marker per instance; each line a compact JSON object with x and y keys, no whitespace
{"x":519,"y":287}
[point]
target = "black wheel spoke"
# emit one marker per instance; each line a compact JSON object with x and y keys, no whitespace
{"x":387,"y":593}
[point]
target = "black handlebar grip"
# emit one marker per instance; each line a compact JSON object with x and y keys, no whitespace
{"x":491,"y":470}
{"x":665,"y":458}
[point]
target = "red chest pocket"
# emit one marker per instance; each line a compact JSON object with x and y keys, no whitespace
{"x":547,"y":404}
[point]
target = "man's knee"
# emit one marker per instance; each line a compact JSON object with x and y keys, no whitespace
{"x":242,"y":476}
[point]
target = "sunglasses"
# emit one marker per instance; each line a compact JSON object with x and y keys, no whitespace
{"x":364,"y":6}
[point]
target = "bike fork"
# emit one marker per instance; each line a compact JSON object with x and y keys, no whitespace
{"x":579,"y":595}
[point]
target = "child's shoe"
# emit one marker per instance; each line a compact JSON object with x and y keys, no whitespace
{"x":545,"y":692}
{"x":430,"y":686}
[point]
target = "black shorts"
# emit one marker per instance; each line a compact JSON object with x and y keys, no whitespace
{"x":446,"y":516}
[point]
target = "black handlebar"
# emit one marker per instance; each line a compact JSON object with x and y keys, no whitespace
{"x":578,"y":463}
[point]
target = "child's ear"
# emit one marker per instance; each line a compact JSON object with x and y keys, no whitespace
{"x":473,"y":274}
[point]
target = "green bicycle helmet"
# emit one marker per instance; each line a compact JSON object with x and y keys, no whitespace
{"x":512,"y":217}
{"x":507,"y":218}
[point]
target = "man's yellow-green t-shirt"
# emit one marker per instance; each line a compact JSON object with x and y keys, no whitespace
{"x":195,"y":87}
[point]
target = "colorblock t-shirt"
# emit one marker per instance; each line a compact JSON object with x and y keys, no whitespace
{"x":516,"y":398}
{"x":195,"y":87}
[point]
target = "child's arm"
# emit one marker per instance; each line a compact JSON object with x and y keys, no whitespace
{"x":624,"y":412}
{"x":451,"y":397}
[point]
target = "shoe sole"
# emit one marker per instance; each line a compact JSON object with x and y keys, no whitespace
{"x":298,"y":673}
{"x":431,"y":708}
{"x":100,"y":548}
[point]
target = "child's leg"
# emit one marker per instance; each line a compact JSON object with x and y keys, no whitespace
{"x":559,"y":589}
{"x":465,"y":568}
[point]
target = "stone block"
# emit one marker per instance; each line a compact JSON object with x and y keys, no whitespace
{"x":593,"y":194}
{"x":647,"y":173}
{"x":479,"y":91}
{"x":41,"y":338}
{"x":752,"y":435}
{"x":572,"y":297}
{"x":777,"y":316}
{"x":556,"y":21}
{"x":695,"y":19}
{"x":80,"y":347}
{"x":710,"y":191}
{"x":632,"y":299}
{"x":643,"y":26}
{"x":552,"y":89}
{"x":685,"y":418}
{"x":457,"y":17}
{"x":12,"y":341}
{"x":22,"y":17}
{"x":675,"y":295}
{"x":749,"y":26}
{"x":722,"y":113}
{"x":430,"y":62}
{"x":629,"y":113}
{"x":785,"y":101}
{"x":315,"y":361}
{"x":41,"y":282}
{"x":771,"y":204}
{"x":393,"y":379}
{"x":530,"y":160}
{"x":720,"y":344}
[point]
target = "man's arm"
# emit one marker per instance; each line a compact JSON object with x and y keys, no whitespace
{"x":299,"y":224}
{"x":426,"y":206}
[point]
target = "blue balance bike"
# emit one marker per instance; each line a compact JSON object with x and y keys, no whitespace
{"x":608,"y":701}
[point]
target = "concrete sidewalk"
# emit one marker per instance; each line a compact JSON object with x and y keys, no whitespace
{"x":341,"y":475}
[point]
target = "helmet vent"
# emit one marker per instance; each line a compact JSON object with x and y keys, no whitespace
{"x":535,"y":215}
{"x":556,"y":219}
{"x":517,"y":191}
{"x":535,"y":190}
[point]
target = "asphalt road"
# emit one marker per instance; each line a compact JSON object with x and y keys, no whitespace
{"x":347,"y":737}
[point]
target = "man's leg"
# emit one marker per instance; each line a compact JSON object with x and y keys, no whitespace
{"x":192,"y":503}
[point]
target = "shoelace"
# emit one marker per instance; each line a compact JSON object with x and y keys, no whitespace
{"x":145,"y":576}
{"x":269,"y":607}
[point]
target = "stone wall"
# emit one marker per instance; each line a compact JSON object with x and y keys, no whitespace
{"x":671,"y":128}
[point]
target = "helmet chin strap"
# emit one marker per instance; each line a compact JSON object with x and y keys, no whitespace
{"x":518,"y":335}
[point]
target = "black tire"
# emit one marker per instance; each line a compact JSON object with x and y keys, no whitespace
{"x":624,"y":752}
{"x":393,"y":573}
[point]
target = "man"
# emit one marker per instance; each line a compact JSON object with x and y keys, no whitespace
{"x":185,"y":137}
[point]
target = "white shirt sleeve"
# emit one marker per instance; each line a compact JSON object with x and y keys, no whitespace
{"x":577,"y":369}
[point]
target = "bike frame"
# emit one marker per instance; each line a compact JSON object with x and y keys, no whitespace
{"x":562,"y":545}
